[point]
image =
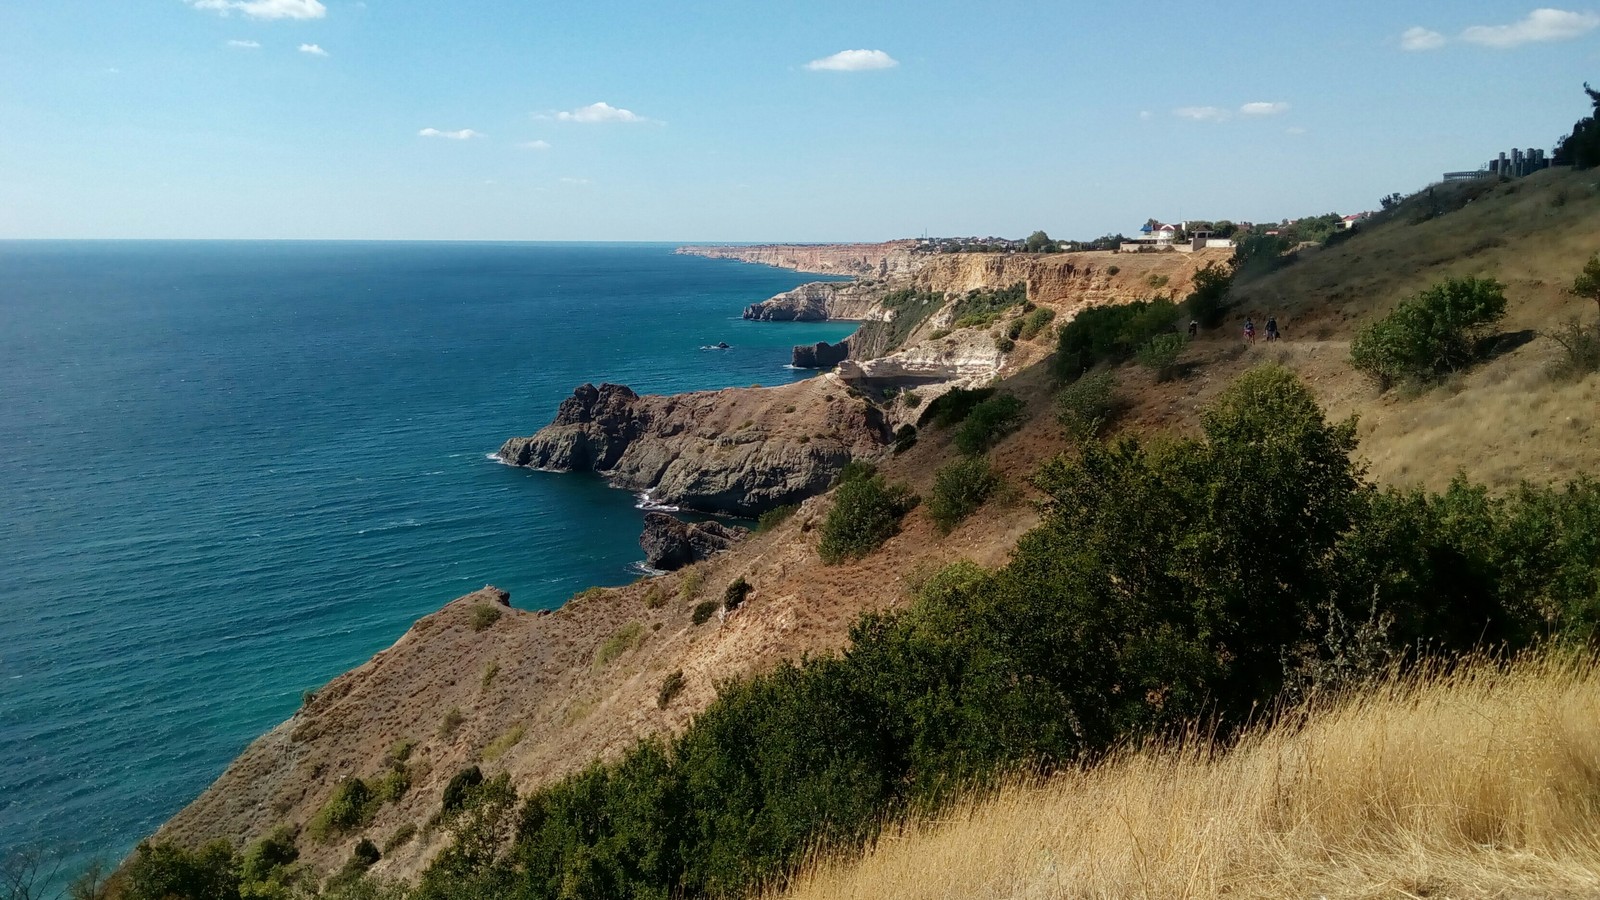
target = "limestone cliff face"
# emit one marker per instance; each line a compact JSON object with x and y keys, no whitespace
{"x":870,"y":260}
{"x":740,"y":451}
{"x":1069,"y":280}
{"x":822,"y":301}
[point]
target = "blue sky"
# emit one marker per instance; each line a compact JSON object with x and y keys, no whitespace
{"x":738,"y":121}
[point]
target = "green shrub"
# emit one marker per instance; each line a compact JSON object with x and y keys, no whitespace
{"x":959,"y":488}
{"x":459,"y":789}
{"x":1207,"y":303}
{"x":734,"y":595}
{"x":980,"y":308}
{"x":626,"y":638}
{"x":1014,"y":329}
{"x":671,"y":687}
{"x":689,"y":585}
{"x":162,"y":871}
{"x":1432,"y":334}
{"x":910,"y":308}
{"x":1110,"y":334}
{"x":1004,"y":344}
{"x":654,"y":597}
{"x":855,"y":470}
{"x":905,"y":438}
{"x":1087,"y":405}
{"x":1113,"y":270}
{"x":703,"y":611}
{"x":776,"y":516}
{"x":866,"y":512}
{"x":451,"y":721}
{"x":501,"y":745}
{"x":484,"y":615}
{"x":1035,"y":322}
{"x":349,"y":808}
{"x":1160,"y":355}
{"x":391,"y":786}
{"x":911,"y":398}
{"x":952,"y":406}
{"x":365,"y":855}
{"x":988,"y":422}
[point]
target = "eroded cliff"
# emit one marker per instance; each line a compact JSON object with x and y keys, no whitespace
{"x":872,"y":260}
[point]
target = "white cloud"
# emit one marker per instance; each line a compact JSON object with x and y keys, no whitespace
{"x":595,"y":113}
{"x":535,"y":145}
{"x":577,"y":181}
{"x":313,"y":49}
{"x":853,"y":61}
{"x":1144,"y":115}
{"x":1263,"y":109}
{"x":244,"y":45}
{"x":465,"y":134}
{"x":1294,"y":130}
{"x":265,"y":9}
{"x":1539,"y":26}
{"x":1418,"y":38}
{"x":1201,"y":113}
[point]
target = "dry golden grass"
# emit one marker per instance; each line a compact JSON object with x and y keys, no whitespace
{"x":1484,"y":783}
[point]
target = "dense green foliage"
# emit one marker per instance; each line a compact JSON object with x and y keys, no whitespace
{"x":1110,"y":334}
{"x":734,"y":594}
{"x":351,"y":805}
{"x":866,"y":512}
{"x":776,"y":516}
{"x":703,"y":611}
{"x":1087,"y":405}
{"x":951,"y":407}
{"x":959,"y":488}
{"x":905,"y":437}
{"x":911,"y":308}
{"x":1034,"y":322}
{"x":1587,"y":284}
{"x":980,"y":308}
{"x":988,"y":422}
{"x":1207,"y":303}
{"x":1432,"y":334}
{"x":1160,"y":355}
{"x":1581,"y":148}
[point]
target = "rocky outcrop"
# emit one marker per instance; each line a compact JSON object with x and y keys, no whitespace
{"x":741,"y":451}
{"x":869,"y":260}
{"x":822,"y":301}
{"x":670,"y":543}
{"x":965,"y":356}
{"x":821,"y":355}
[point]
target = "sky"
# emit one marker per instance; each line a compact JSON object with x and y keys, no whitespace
{"x":754,"y":121}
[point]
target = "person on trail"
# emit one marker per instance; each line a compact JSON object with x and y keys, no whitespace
{"x":1250,"y":330}
{"x":1272,"y":328}
{"x":1194,"y":327}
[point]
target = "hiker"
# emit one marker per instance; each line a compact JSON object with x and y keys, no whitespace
{"x":1194,"y":327}
{"x":1272,"y":328}
{"x":1250,"y":330}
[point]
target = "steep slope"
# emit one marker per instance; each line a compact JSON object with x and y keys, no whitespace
{"x":1502,"y":421}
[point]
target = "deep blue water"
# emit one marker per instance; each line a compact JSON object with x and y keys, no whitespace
{"x":231,"y":471}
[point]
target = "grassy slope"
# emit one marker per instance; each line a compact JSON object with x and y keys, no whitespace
{"x":1477,"y":784}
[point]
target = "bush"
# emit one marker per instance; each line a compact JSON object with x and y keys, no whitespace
{"x":484,"y":615}
{"x":866,"y":512}
{"x":671,"y":687}
{"x":734,"y":595}
{"x":349,"y":807}
{"x":1086,"y":406}
{"x":365,"y":854}
{"x":451,"y":721}
{"x":689,"y":585}
{"x":1035,"y":322}
{"x":1580,"y":345}
{"x":400,"y":838}
{"x":459,"y":789}
{"x":1110,"y":334}
{"x":392,"y":786}
{"x":501,"y":745}
{"x":911,"y":398}
{"x":1207,"y":303}
{"x":703,"y":611}
{"x":959,"y":488}
{"x":626,"y":638}
{"x":988,"y":422}
{"x":952,"y":406}
{"x":1004,"y":344}
{"x":905,"y":438}
{"x":855,"y":470}
{"x":980,"y":308}
{"x":1160,"y":354}
{"x":1432,"y":334}
{"x":776,"y":516}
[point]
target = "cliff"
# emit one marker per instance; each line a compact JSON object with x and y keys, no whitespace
{"x":821,"y":301}
{"x":740,"y":450}
{"x":869,"y":260}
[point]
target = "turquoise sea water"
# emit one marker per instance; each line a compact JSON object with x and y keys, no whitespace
{"x":231,"y":471}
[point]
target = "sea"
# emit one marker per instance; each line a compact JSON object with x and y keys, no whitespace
{"x":230,"y":471}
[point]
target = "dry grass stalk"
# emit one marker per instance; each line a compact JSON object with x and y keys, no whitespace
{"x":1482,"y":783}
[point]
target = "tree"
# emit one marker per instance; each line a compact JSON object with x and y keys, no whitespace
{"x":1039,"y":242}
{"x":1432,"y":334}
{"x":1581,"y":148}
{"x":1587,"y":284}
{"x":1207,"y":302}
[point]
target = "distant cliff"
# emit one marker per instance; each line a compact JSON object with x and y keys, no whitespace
{"x":866,"y":260}
{"x":740,"y":450}
{"x":822,"y":301}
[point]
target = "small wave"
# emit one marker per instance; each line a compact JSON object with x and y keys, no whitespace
{"x":394,"y":525}
{"x":643,"y":568}
{"x":495,"y":458}
{"x":646,"y":503}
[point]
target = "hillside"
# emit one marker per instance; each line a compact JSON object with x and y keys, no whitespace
{"x":538,"y":696}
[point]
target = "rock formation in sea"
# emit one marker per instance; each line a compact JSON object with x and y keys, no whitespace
{"x":741,"y":450}
{"x":670,"y":543}
{"x":821,"y":355}
{"x":822,"y":301}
